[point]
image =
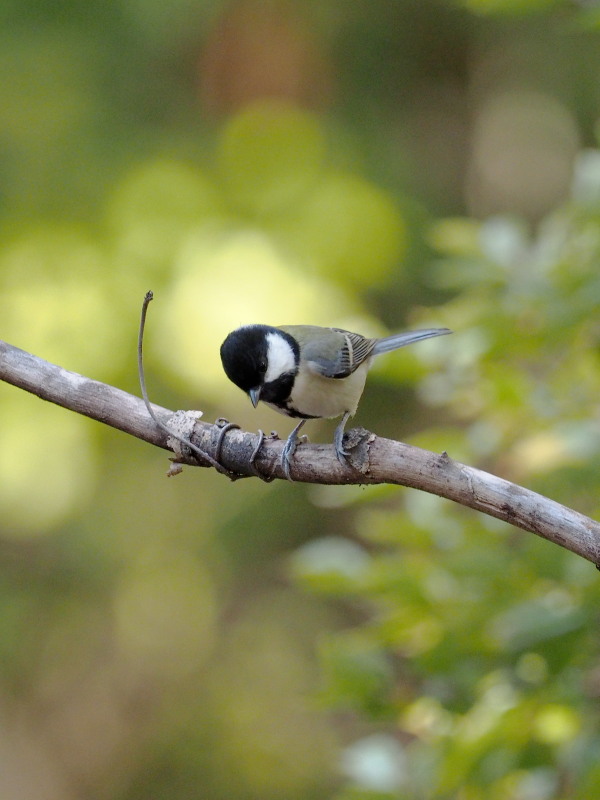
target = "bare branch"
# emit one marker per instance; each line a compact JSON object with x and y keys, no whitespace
{"x":374,"y":459}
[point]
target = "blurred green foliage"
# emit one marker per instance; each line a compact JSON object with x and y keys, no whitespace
{"x":371,"y":165}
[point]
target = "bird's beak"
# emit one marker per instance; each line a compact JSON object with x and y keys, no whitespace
{"x":254,"y":395}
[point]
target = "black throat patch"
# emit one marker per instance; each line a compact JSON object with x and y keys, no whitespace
{"x":278,"y":391}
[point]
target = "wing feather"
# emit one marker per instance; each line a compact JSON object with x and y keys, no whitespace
{"x":347,"y":354}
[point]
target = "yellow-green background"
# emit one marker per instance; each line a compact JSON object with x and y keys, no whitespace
{"x":373,"y":165}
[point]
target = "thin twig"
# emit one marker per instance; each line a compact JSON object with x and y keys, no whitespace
{"x":201,"y":453}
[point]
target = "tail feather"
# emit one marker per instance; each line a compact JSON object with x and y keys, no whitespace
{"x":408,"y":337}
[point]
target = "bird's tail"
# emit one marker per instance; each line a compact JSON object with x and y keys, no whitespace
{"x":408,"y":337}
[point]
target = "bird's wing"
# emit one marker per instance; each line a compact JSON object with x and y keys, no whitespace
{"x":347,"y":353}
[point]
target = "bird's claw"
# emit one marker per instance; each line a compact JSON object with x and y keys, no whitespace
{"x":338,"y":442}
{"x":289,"y":449}
{"x":286,"y":455}
{"x":342,"y":457}
{"x":340,"y":451}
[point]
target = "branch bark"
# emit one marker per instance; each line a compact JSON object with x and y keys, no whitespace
{"x":374,"y":459}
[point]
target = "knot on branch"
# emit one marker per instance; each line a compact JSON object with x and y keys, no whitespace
{"x":358,"y":441}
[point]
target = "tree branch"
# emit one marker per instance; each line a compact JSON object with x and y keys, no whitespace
{"x":374,"y":459}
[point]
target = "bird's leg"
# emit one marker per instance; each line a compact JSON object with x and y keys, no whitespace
{"x":289,"y":449}
{"x":338,"y":441}
{"x":255,"y":452}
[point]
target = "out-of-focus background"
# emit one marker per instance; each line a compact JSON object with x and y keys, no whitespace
{"x":374,"y":165}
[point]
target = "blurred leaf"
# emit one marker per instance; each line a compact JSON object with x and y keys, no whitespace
{"x":357,"y":674}
{"x":376,"y":763}
{"x":270,"y":156}
{"x":330,"y":564}
{"x":154,"y":210}
{"x":349,"y":229}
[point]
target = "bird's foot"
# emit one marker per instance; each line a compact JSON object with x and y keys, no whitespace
{"x":342,"y":456}
{"x":289,"y":449}
{"x":338,"y":442}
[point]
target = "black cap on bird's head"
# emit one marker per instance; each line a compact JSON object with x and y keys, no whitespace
{"x":244,"y":357}
{"x":262,"y":361}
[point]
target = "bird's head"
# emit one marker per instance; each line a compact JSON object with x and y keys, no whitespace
{"x":261,"y":360}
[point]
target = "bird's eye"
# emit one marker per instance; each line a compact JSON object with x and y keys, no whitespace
{"x":262,"y":366}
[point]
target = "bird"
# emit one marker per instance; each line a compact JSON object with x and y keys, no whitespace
{"x":308,"y":372}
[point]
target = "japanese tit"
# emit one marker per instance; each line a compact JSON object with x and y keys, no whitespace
{"x":307,"y":372}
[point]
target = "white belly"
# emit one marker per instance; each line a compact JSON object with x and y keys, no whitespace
{"x":317,"y":396}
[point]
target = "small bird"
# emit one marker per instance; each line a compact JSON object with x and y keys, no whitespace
{"x":307,"y":372}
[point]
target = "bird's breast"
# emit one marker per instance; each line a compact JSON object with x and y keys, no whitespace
{"x":313,"y":395}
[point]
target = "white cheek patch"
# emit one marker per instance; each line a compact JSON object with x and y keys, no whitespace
{"x":280,"y":357}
